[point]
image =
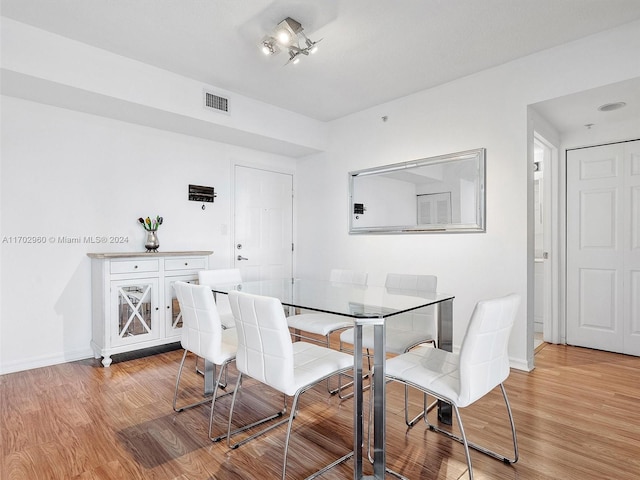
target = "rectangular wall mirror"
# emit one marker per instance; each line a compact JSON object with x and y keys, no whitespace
{"x":437,"y":194}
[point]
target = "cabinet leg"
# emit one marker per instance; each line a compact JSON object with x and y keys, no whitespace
{"x":106,"y":361}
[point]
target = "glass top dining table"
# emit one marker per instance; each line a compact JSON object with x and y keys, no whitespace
{"x":366,"y":305}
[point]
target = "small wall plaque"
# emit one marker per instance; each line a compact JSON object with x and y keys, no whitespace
{"x":200,"y":193}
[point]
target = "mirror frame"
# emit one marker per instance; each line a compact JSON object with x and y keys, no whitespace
{"x":480,"y":197}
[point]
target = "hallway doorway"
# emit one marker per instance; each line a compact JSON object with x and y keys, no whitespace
{"x":545,"y":207}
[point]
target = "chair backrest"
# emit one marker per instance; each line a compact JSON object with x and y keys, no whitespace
{"x":484,"y":354}
{"x":220,"y":276}
{"x":265,"y":352}
{"x":201,"y":327}
{"x":348,"y":276}
{"x":422,"y":320}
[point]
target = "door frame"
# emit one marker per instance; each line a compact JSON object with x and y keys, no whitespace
{"x":553,"y":223}
{"x":283,"y":169}
{"x":552,"y":328}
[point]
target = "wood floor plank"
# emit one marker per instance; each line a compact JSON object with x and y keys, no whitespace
{"x":576,"y":416}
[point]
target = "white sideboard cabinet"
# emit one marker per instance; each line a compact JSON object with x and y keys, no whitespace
{"x":133,"y":301}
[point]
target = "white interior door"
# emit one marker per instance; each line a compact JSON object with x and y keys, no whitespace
{"x":603,"y":241}
{"x":263,"y":237}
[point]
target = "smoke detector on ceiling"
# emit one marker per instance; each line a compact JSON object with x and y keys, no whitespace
{"x":609,"y":107}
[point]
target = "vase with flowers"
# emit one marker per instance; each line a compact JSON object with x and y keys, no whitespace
{"x":151,"y":226}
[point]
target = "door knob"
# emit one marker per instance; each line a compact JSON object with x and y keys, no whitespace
{"x":240,"y":257}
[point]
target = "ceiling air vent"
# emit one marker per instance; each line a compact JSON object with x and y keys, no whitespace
{"x":216,"y":102}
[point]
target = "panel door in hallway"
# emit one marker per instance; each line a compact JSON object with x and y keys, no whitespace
{"x":603,"y":247}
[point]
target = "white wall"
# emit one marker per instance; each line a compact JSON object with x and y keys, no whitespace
{"x":66,"y":173}
{"x":444,"y":120}
{"x":600,"y":134}
{"x":488,"y":110}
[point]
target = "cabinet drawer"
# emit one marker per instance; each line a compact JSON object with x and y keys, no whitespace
{"x":192,"y":263}
{"x":135,"y":266}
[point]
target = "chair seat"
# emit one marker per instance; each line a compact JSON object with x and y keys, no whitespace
{"x":227,"y":320}
{"x":228,"y":347}
{"x":311,"y":362}
{"x":431,"y":369}
{"x":397,"y":341}
{"x":318,"y":323}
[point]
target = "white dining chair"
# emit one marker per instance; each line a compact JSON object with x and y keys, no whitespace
{"x":267,"y":354}
{"x":463,"y":379}
{"x":221,"y":276}
{"x":203,"y":335}
{"x":404,"y":331}
{"x":324,"y":324}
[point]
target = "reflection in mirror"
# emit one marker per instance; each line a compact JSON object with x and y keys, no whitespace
{"x":438,"y":194}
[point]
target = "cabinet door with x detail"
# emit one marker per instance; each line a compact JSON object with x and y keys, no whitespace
{"x":135,"y":303}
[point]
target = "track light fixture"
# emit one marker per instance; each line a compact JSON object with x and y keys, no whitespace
{"x":289,"y":35}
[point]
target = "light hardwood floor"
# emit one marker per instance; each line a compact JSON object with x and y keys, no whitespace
{"x":577,"y":416}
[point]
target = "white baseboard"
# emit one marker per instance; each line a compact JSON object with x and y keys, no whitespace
{"x":45,"y":361}
{"x":520,"y":364}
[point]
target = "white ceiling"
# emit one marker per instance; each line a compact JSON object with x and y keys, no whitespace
{"x":580,"y":110}
{"x":372,"y":51}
